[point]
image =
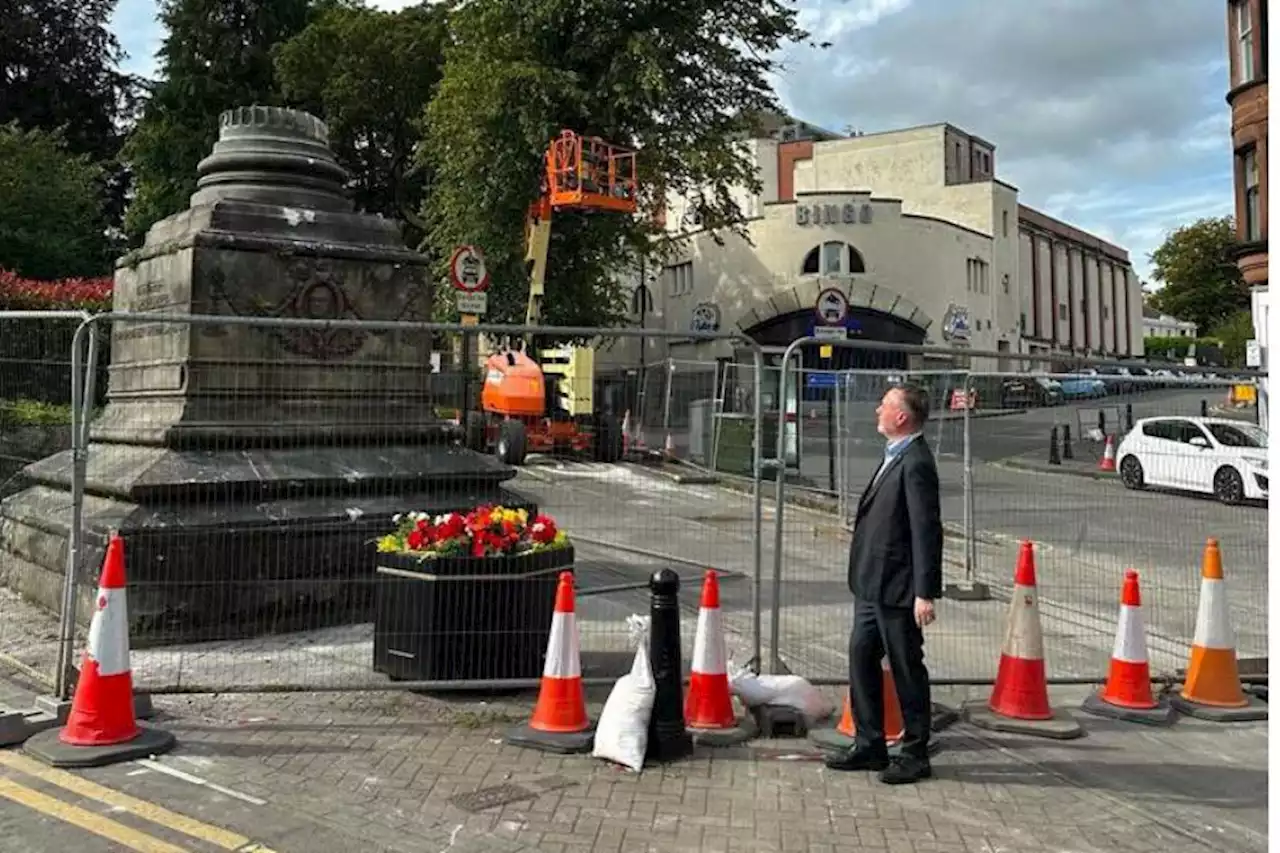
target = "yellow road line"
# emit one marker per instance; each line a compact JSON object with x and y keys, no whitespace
{"x":108,"y":796}
{"x":86,"y":820}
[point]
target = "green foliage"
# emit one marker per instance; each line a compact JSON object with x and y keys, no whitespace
{"x":51,"y":208}
{"x":34,"y":413}
{"x":59,"y":70}
{"x":1197,"y":267}
{"x":217,"y":55}
{"x":371,"y":74}
{"x":677,"y":80}
{"x":1233,"y":333}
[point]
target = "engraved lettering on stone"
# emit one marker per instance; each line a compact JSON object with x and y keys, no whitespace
{"x":865,"y":215}
{"x":830,"y":214}
{"x":849,"y":214}
{"x":802,"y":214}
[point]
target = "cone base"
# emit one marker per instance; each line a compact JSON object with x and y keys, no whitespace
{"x":48,"y":747}
{"x":726,"y":736}
{"x":1058,"y":727}
{"x":1162,"y":714}
{"x":561,"y":743}
{"x":1253,"y":709}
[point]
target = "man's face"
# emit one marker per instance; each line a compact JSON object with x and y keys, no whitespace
{"x":891,"y":420}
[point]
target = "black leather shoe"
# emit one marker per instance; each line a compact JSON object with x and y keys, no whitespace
{"x":859,"y":759}
{"x":905,"y":769}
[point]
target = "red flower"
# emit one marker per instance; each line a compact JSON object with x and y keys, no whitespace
{"x":451,"y":527}
{"x":543,"y":530}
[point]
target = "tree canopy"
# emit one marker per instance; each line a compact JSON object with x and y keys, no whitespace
{"x":677,"y":80}
{"x":1197,"y":267}
{"x":52,"y":222}
{"x":371,"y":74}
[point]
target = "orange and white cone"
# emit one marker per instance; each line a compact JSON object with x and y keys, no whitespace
{"x":559,"y":722}
{"x":1211,"y":689}
{"x":1108,"y":460}
{"x":708,"y":707}
{"x":846,"y":731}
{"x":101,"y":727}
{"x":626,"y":432}
{"x":1019,"y":700}
{"x":1127,"y":693}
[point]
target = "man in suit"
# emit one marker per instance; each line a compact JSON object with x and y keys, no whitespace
{"x":895,"y":575}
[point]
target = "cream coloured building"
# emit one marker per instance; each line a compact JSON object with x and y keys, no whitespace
{"x":918,"y":236}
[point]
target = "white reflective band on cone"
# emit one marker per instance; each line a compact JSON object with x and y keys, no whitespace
{"x":1131,"y":641}
{"x":709,"y":653}
{"x":1023,"y":639}
{"x":562,"y":648}
{"x":1213,"y":622}
{"x":109,"y":632}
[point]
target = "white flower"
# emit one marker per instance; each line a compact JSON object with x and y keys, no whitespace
{"x":395,"y":519}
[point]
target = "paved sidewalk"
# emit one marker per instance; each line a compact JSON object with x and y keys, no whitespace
{"x":388,"y":769}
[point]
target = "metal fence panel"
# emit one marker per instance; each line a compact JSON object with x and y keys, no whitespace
{"x":251,"y":482}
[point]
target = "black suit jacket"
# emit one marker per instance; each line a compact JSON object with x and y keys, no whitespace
{"x":896,"y":553}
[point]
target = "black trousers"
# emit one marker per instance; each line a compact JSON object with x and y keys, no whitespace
{"x":880,"y":631}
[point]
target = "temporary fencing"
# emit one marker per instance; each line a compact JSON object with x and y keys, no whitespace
{"x":253,"y":463}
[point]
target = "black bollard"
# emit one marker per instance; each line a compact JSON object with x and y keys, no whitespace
{"x":1054,"y":459}
{"x":668,"y":738}
{"x":1067,"y":452}
{"x":1128,"y":417}
{"x":1102,"y":422}
{"x":1204,"y":408}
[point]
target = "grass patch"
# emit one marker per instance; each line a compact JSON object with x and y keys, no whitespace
{"x":34,"y":413}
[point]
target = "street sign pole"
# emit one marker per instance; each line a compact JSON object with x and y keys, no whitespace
{"x":470,"y":279}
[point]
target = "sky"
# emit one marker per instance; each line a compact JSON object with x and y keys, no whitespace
{"x":1108,"y":115}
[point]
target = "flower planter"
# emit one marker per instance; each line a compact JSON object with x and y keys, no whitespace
{"x":465,"y":618}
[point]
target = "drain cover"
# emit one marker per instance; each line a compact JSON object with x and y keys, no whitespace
{"x":488,"y":798}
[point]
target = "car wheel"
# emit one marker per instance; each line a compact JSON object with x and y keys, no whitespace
{"x":1228,"y":486}
{"x":1131,"y":473}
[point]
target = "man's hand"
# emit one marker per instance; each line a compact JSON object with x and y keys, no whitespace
{"x":924,"y":612}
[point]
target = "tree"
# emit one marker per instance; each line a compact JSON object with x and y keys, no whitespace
{"x":51,"y":212}
{"x":371,"y":74}
{"x":1201,"y":280}
{"x":678,"y":80}
{"x":217,"y":55}
{"x":1234,"y":332}
{"x":59,"y":70}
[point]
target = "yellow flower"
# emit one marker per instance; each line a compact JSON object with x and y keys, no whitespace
{"x":561,"y":537}
{"x":511,"y":515}
{"x":388,"y":545}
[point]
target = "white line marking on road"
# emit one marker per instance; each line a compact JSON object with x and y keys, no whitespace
{"x":196,"y":780}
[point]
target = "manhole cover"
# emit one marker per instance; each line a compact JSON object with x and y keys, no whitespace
{"x":487,"y":798}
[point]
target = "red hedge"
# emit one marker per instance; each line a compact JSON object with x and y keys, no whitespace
{"x":24,"y":294}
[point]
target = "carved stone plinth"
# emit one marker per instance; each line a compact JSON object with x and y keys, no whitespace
{"x":250,"y":467}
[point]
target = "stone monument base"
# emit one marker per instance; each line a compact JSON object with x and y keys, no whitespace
{"x":225,"y":544}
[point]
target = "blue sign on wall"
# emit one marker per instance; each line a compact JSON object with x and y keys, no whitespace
{"x":821,"y":380}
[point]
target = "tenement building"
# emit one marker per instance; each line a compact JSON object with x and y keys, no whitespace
{"x":905,"y":236}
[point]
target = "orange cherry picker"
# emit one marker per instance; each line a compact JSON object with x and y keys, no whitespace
{"x":546,"y":405}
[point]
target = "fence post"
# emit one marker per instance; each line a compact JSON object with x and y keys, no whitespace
{"x":970,"y":589}
{"x":757,"y":507}
{"x":82,"y":393}
{"x":837,"y":447}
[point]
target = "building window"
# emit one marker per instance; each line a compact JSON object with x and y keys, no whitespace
{"x":1004,"y":222}
{"x":1022,"y":323}
{"x":976,"y":275}
{"x":642,"y":300}
{"x":1243,"y":42}
{"x":1062,"y":312}
{"x":679,"y":279}
{"x":833,"y":258}
{"x":1252,"y":224}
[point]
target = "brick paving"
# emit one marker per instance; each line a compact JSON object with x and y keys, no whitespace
{"x":388,"y":767}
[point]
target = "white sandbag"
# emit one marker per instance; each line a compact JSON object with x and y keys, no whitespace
{"x":622,"y":735}
{"x":790,"y":691}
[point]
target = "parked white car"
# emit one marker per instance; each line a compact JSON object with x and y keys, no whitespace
{"x":1217,"y":456}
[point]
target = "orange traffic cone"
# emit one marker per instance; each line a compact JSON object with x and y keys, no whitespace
{"x":708,"y":707}
{"x":1211,"y":689}
{"x":101,"y":727}
{"x":626,"y":432}
{"x":1019,"y":699}
{"x":1108,"y":460}
{"x":842,"y":736}
{"x":1127,"y":694}
{"x":559,"y":722}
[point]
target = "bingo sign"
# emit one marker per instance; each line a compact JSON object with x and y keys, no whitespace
{"x":470,"y":279}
